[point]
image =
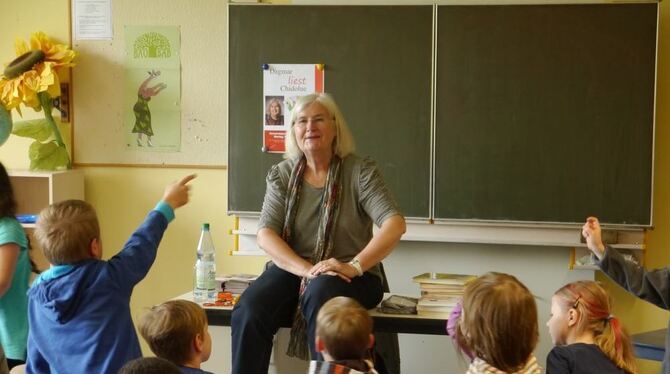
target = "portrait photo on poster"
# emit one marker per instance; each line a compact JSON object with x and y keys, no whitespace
{"x":274,"y":110}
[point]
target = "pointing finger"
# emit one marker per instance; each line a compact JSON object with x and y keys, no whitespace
{"x":186,"y":179}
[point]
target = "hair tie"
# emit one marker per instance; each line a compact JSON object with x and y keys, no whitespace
{"x":609,"y":317}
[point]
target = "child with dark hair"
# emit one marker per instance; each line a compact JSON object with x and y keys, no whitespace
{"x":344,"y":338}
{"x":588,"y":338}
{"x":177,"y":331}
{"x":15,"y":269}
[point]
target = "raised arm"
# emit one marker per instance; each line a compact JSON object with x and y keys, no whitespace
{"x":592,"y":232}
{"x":176,"y":194}
{"x":145,"y":83}
{"x":132,"y":264}
{"x":649,"y":285}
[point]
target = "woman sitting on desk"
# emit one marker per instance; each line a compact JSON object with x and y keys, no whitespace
{"x":316,"y":225}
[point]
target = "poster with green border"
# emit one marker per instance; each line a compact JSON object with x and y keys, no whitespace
{"x":152,"y":102}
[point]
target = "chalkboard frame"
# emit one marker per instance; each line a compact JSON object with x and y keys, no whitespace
{"x":580,"y":208}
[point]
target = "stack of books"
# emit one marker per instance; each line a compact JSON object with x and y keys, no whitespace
{"x":440,"y":293}
{"x":235,"y":283}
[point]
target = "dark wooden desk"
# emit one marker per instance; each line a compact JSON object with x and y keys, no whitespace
{"x":382,"y":322}
{"x":650,"y":345}
{"x":403,"y":324}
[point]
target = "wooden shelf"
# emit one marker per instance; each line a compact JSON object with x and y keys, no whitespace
{"x":36,"y":190}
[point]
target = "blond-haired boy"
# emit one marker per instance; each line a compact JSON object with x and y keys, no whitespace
{"x":177,"y":331}
{"x":344,"y":338}
{"x":79,"y":309}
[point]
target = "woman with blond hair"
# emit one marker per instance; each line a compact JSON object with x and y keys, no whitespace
{"x":316,"y":225}
{"x":273,"y":113}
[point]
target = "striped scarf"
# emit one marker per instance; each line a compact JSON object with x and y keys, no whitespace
{"x":479,"y":366}
{"x":342,"y":367}
{"x":330,"y":203}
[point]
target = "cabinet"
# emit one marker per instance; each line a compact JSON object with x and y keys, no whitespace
{"x":35,"y":190}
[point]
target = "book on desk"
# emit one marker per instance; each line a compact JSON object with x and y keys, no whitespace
{"x":440,"y":292}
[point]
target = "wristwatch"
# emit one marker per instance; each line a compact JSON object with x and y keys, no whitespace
{"x":357,"y":265}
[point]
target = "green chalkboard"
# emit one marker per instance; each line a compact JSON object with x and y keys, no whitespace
{"x":545,"y":113}
{"x":378,"y":67}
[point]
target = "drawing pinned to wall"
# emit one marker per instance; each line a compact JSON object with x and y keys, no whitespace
{"x":152,"y":118}
{"x":282,"y":85}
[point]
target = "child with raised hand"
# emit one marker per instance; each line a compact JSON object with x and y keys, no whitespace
{"x":344,"y":338}
{"x":498,"y":325}
{"x":652,"y":285}
{"x":588,"y":338}
{"x":79,"y":309}
{"x":177,"y":331}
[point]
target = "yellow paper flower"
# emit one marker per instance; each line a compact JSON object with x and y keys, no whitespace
{"x":33,"y":72}
{"x":32,"y":79}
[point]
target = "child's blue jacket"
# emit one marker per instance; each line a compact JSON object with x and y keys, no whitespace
{"x":79,"y":314}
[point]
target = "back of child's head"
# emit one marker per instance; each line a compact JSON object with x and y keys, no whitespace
{"x":149,"y":365}
{"x":65,"y":230}
{"x":171,"y":327}
{"x":7,"y":201}
{"x":593,"y":305}
{"x":345,"y":327}
{"x":499,"y":321}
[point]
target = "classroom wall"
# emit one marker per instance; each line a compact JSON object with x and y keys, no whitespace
{"x":123,"y":195}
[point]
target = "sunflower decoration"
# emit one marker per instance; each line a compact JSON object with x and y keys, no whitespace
{"x":32,"y":79}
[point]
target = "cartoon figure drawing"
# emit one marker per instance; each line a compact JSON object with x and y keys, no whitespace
{"x":141,"y":108}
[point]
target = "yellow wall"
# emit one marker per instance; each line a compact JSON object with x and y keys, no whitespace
{"x":123,"y":195}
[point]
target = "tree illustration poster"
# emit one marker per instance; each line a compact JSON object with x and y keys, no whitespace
{"x":152,"y":101}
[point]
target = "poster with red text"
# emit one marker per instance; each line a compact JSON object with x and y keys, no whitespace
{"x":282,"y":85}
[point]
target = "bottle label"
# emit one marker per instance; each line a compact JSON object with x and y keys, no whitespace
{"x":205,"y":277}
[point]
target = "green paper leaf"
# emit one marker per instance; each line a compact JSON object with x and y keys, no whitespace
{"x":37,"y":129}
{"x":48,"y":156}
{"x":5,"y":124}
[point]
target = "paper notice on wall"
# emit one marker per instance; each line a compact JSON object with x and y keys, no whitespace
{"x":92,"y":19}
{"x":282,"y":85}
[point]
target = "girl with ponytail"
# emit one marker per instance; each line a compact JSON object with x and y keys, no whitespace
{"x":588,"y":338}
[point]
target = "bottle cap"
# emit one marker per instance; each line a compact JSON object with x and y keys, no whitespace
{"x":205,"y":226}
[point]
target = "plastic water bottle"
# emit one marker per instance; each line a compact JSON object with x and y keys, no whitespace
{"x":205,"y":268}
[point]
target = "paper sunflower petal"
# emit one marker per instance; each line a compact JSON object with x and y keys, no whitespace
{"x":20,"y":47}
